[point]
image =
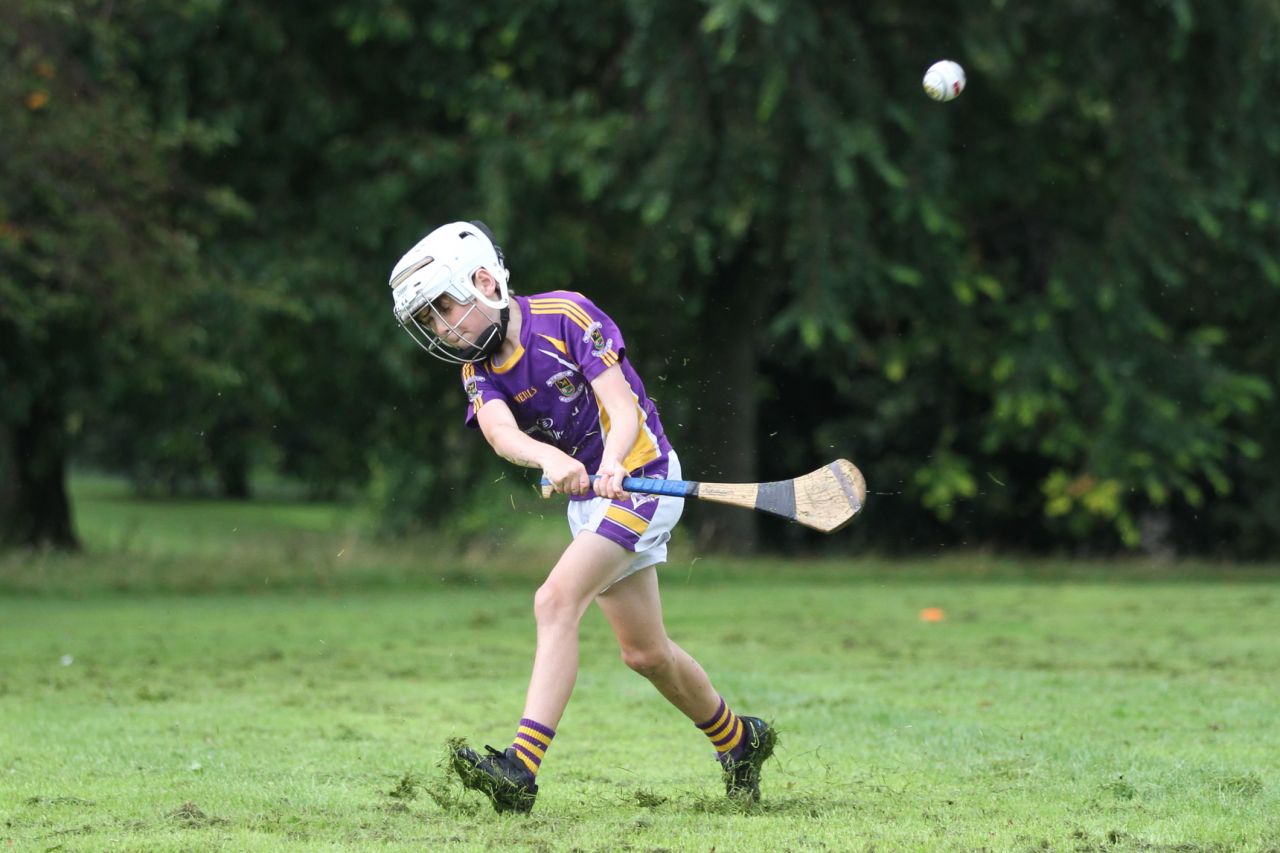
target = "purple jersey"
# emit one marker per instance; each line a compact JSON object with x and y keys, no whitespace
{"x":565,"y":342}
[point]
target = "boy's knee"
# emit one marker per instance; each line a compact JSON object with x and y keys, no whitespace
{"x":553,"y":604}
{"x":649,"y":662}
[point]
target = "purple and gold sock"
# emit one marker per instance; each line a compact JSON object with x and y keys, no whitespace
{"x":724,"y":730}
{"x":531,"y":743}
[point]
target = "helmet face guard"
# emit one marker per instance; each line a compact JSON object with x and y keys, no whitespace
{"x":487,"y":342}
{"x":444,"y":263}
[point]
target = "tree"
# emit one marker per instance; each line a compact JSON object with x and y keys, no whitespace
{"x":92,"y":271}
{"x":981,"y":300}
{"x":1037,"y":316}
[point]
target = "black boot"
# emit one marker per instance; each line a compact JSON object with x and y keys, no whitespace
{"x":501,"y":776}
{"x":742,"y":776}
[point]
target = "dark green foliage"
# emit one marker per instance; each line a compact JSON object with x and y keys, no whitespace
{"x":1038,"y":316}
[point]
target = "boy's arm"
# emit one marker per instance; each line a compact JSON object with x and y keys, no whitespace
{"x":619,"y":402}
{"x":507,"y":440}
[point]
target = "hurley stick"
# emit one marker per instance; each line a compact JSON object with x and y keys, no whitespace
{"x":826,"y":499}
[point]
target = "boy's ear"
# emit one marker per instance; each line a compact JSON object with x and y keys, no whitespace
{"x":485,"y":282}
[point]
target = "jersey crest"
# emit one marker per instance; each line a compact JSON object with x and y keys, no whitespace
{"x":563,"y":382}
{"x":595,"y":337}
{"x":473,"y":388}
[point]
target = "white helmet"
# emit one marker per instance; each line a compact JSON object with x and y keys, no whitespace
{"x":445,"y":263}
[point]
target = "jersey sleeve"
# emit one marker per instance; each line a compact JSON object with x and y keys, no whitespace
{"x":593,"y":339}
{"x":480,"y":389}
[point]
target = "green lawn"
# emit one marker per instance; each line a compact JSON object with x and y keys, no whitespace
{"x":1066,"y":715}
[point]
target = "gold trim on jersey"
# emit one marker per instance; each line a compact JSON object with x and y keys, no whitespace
{"x":567,"y":307}
{"x":576,"y":313}
{"x":468,"y":373}
{"x":510,"y":363}
{"x":555,"y":342}
{"x":645,"y":449}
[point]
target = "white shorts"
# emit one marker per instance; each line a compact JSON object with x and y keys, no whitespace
{"x":641,"y":524}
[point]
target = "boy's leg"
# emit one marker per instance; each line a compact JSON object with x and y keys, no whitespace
{"x":634,"y":610}
{"x":588,"y":565}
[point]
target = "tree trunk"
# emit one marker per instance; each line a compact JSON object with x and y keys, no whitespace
{"x":34,"y":509}
{"x":8,"y":482}
{"x":234,"y":480}
{"x":725,"y":412}
{"x":228,"y":444}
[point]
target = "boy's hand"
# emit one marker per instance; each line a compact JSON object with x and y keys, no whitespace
{"x":567,"y":475}
{"x":609,"y":478}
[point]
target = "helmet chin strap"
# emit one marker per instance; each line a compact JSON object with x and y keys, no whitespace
{"x":490,"y":339}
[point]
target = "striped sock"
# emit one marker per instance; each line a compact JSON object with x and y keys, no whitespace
{"x":531,"y":743}
{"x":724,"y":730}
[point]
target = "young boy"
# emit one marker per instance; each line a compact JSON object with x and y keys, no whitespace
{"x":549,"y":386}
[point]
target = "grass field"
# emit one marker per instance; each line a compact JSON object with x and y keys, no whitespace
{"x":290,"y":686}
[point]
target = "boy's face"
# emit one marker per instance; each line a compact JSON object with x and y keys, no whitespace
{"x":460,"y":324}
{"x":448,"y":320}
